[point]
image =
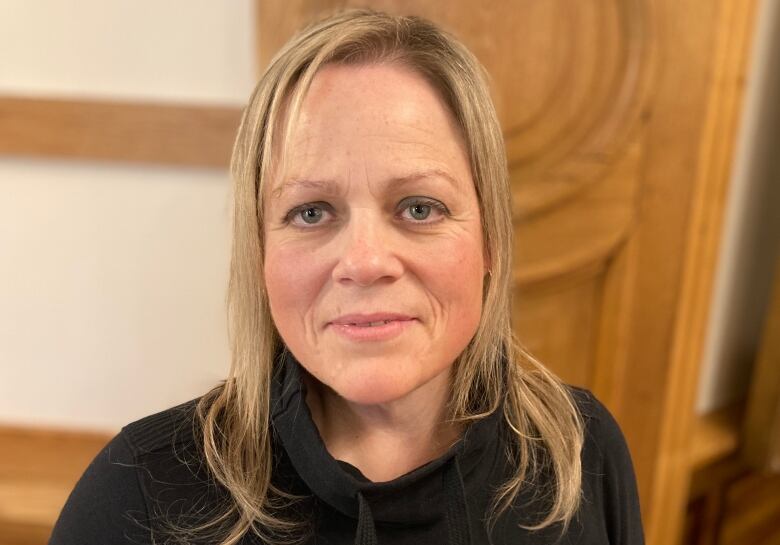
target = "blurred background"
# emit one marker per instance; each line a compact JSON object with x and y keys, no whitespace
{"x":644,"y":150}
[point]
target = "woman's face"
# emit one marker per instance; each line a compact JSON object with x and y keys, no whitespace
{"x":373,"y":247}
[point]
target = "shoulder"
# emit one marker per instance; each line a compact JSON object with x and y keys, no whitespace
{"x":608,"y":478}
{"x":112,"y":502}
{"x":167,"y":448}
{"x":162,"y":431}
{"x":602,"y":431}
{"x":605,"y":449}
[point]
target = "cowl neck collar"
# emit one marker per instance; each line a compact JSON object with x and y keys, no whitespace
{"x":342,"y":486}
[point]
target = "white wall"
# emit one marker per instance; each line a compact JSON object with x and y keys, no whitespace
{"x":174,"y":50}
{"x":751,"y":240}
{"x":113,"y":276}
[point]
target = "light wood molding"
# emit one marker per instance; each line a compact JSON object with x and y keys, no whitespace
{"x":38,"y":470}
{"x":730,"y":27}
{"x":118,"y":131}
{"x":762,"y":423}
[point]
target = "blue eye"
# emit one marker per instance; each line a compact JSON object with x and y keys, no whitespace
{"x":420,"y":209}
{"x":309,"y":213}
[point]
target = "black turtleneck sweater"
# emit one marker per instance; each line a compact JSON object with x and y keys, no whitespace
{"x":152,"y":471}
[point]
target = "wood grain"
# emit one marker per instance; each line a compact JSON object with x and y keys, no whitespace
{"x":38,"y":470}
{"x":118,"y":131}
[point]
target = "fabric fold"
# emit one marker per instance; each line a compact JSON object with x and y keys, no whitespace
{"x":433,"y":491}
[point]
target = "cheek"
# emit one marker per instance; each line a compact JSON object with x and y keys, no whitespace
{"x":291,"y":280}
{"x":455,"y":278}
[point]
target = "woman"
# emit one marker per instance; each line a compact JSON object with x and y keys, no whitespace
{"x":376,"y":393}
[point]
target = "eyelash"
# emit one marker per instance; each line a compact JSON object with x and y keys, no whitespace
{"x":412,"y":201}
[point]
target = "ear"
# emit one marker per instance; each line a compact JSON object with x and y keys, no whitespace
{"x":487,"y":261}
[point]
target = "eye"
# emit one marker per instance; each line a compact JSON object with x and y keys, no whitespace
{"x":306,"y":214}
{"x":311,"y":214}
{"x":420,"y":209}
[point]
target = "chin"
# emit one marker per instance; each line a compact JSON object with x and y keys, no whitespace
{"x":372,"y":393}
{"x":372,"y":388}
{"x":379,"y":384}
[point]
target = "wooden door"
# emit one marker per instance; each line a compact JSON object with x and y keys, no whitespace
{"x":619,"y":119}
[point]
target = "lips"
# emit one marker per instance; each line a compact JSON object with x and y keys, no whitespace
{"x":371,"y":320}
{"x":371,"y":328}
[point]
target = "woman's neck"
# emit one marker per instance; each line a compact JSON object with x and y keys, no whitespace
{"x":387,"y":440}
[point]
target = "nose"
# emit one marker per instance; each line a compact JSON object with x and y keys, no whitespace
{"x":368,"y":252}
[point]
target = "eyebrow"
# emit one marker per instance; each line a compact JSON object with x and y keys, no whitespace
{"x":331,"y":187}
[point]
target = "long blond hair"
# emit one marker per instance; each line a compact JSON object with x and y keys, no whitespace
{"x":493,"y":372}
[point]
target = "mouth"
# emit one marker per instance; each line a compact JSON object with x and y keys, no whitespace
{"x":378,"y":326}
{"x":373,"y":319}
{"x":371,"y":324}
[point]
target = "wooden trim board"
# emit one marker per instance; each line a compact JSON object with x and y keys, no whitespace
{"x":119,"y":131}
{"x":730,"y":43}
{"x":38,"y":469}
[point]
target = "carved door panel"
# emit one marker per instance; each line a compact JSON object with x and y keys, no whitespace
{"x":618,"y":117}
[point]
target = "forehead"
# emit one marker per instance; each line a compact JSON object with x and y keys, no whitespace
{"x":377,"y":119}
